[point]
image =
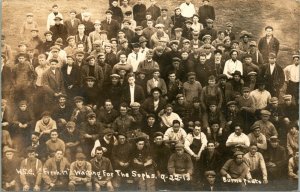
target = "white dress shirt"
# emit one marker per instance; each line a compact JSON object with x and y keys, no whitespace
{"x":292,"y":73}
{"x":69,"y":69}
{"x":187,"y":10}
{"x":272,"y":66}
{"x":231,"y":66}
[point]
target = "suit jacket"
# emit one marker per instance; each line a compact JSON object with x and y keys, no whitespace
{"x":266,"y":48}
{"x":59,"y":31}
{"x":53,"y":83}
{"x":97,"y":71}
{"x":205,"y":12}
{"x":72,"y":30}
{"x":112,"y":28}
{"x":74,"y":78}
{"x":139,"y":95}
{"x":161,"y":84}
{"x":51,"y":166}
{"x":148,"y":105}
{"x":273,"y":81}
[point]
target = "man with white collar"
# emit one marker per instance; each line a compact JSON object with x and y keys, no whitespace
{"x":135,"y":57}
{"x":187,"y":9}
{"x":292,"y":77}
{"x":233,"y":64}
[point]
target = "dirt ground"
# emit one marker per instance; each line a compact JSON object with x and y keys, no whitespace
{"x":250,"y":15}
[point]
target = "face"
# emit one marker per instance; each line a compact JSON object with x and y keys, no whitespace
{"x":238,"y":130}
{"x":169,"y":110}
{"x":80,"y":47}
{"x":180,"y":100}
{"x":179,"y":151}
{"x":34,"y":33}
{"x":248,"y":60}
{"x":274,"y":144}
{"x":239,"y":159}
{"x":197,"y":130}
{"x":123,"y":111}
{"x":256,"y":132}
{"x":176,"y":127}
{"x":253,"y":150}
{"x":235,"y":46}
{"x":9,"y":155}
{"x":202,"y":59}
{"x":184,"y":55}
{"x":34,"y":138}
{"x":70,"y":129}
{"x":272,"y":60}
{"x":232,"y":108}
{"x":149,"y":23}
{"x":265,"y":117}
{"x":269,"y":32}
{"x":115,"y":3}
{"x":246,"y":39}
{"x":70,"y":61}
{"x":92,"y":62}
{"x":211,"y":82}
{"x":236,"y":77}
{"x":261,"y":87}
{"x":140,"y":145}
{"x":172,"y":77}
{"x":178,"y":11}
{"x":288,"y":101}
{"x":211,"y":179}
{"x":72,"y":15}
{"x":59,"y":155}
{"x":191,"y":78}
{"x":151,"y":120}
{"x":156,"y":75}
{"x":215,"y":127}
{"x":81,"y":29}
{"x":246,"y":94}
{"x":29,"y":19}
{"x":122,"y":58}
{"x":131,"y":80}
{"x":296,"y":60}
{"x":53,"y":65}
{"x":156,"y":95}
{"x":79,"y":57}
{"x":107,"y":49}
{"x":31,"y":155}
{"x":108,"y":106}
{"x":92,"y":120}
{"x":121,"y":139}
{"x":23,"y":107}
{"x":149,"y":55}
{"x":90,"y":83}
{"x":195,"y":19}
{"x":114,"y":81}
{"x":212,"y":108}
{"x":158,"y":140}
{"x":79,"y":104}
{"x":80,"y":162}
{"x":21,"y":59}
{"x":234,"y":55}
{"x":54,"y":136}
{"x":46,"y":119}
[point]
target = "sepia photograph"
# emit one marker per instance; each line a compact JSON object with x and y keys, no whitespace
{"x":150,"y":95}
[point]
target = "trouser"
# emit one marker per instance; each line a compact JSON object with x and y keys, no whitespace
{"x":74,"y":184}
{"x":293,"y":89}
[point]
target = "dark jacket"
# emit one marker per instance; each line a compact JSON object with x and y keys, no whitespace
{"x":266,"y":48}
{"x":59,"y":31}
{"x":112,"y":28}
{"x":72,"y":29}
{"x":139,"y":95}
{"x":206,"y":12}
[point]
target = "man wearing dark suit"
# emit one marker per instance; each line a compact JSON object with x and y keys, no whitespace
{"x":110,"y":25}
{"x":132,"y":92}
{"x":154,"y":10}
{"x":155,"y":103}
{"x":52,"y":80}
{"x":93,"y":70}
{"x":139,"y":12}
{"x":71,"y":75}
{"x":72,"y":24}
{"x":59,"y":30}
{"x":274,"y":75}
{"x":268,"y":44}
{"x":206,"y":12}
{"x":117,"y":11}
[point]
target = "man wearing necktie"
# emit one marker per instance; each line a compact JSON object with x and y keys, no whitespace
{"x":110,"y":25}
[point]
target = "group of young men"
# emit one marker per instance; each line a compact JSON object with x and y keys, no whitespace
{"x":148,"y":99}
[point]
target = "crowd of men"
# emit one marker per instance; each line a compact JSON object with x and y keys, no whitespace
{"x":148,"y":99}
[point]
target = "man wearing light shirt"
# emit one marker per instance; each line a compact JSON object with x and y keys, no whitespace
{"x":187,"y":9}
{"x":233,"y":64}
{"x":238,"y":138}
{"x":292,"y":77}
{"x":52,"y":15}
{"x":135,"y":57}
{"x":174,"y":134}
{"x":261,"y":97}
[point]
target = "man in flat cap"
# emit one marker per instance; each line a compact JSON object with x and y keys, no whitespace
{"x":55,"y":12}
{"x":268,"y":44}
{"x":94,"y":70}
{"x":248,"y":64}
{"x":261,"y":96}
{"x":160,"y":34}
{"x":267,"y":128}
{"x":191,"y":88}
{"x":209,"y":29}
{"x":80,"y":173}
{"x":110,"y":25}
{"x":34,"y":166}
{"x":292,"y":77}
{"x":10,"y":177}
{"x":180,"y":164}
{"x":26,"y":27}
{"x":257,"y":58}
{"x":117,"y":11}
{"x":59,"y":30}
{"x":276,"y":160}
{"x":72,"y":23}
{"x":211,"y":182}
{"x":106,"y":140}
{"x":258,"y":138}
{"x":165,"y":20}
{"x":228,"y":31}
{"x":273,"y":74}
{"x":56,"y":164}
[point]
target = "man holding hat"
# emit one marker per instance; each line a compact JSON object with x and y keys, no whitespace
{"x":233,"y":64}
{"x":52,"y":15}
{"x":292,"y":77}
{"x":273,"y":75}
{"x":80,"y":173}
{"x":268,"y":44}
{"x":110,"y":25}
{"x":34,"y":166}
{"x":10,"y":177}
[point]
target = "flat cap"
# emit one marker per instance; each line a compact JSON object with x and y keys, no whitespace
{"x":90,"y":78}
{"x":272,"y":55}
{"x":123,"y":41}
{"x":71,"y":56}
{"x":126,"y":21}
{"x":97,"y":22}
{"x":8,"y":149}
{"x":254,"y":127}
{"x":97,"y":42}
{"x":210,"y":173}
{"x":179,"y":146}
{"x":176,"y":59}
{"x":46,"y":114}
{"x":128,"y":13}
{"x":142,"y":39}
{"x":164,"y":8}
{"x":265,"y":112}
{"x":156,"y":89}
{"x":212,"y":102}
{"x":231,"y":103}
{"x":253,"y":43}
{"x":135,"y":104}
{"x":158,"y":134}
{"x":238,"y":153}
{"x":57,"y":18}
{"x":159,"y":25}
{"x":90,"y":57}
{"x":251,"y":73}
{"x":207,"y":36}
{"x":222,"y":76}
{"x":189,"y":21}
{"x":48,"y":32}
{"x":274,"y":138}
{"x":78,"y":52}
{"x":236,"y":73}
{"x":91,"y":115}
{"x":29,"y":15}
{"x":246,"y":89}
{"x":174,"y":42}
{"x":179,"y":96}
{"x":80,"y":156}
{"x":191,"y":74}
{"x":115,"y":76}
{"x":186,"y":41}
{"x":59,"y":41}
{"x":178,"y":29}
{"x":70,"y":124}
{"x":218,"y":51}
{"x":138,"y":28}
{"x":269,"y":27}
{"x":53,"y":60}
{"x":108,"y":12}
{"x":30,"y":149}
{"x":209,"y":20}
{"x":35,"y":29}
{"x":22,"y":43}
{"x":78,"y":98}
{"x":233,"y":50}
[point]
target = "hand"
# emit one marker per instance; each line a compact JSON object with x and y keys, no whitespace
{"x":137,"y":162}
{"x":12,"y":183}
{"x":56,"y":94}
{"x":208,"y":130}
{"x":197,"y":158}
{"x":36,"y":188}
{"x":229,"y":122}
{"x":84,"y":180}
{"x":20,"y":125}
{"x":220,"y":132}
{"x":52,"y":184}
{"x":102,"y":183}
{"x":94,"y":107}
{"x":7,"y":185}
{"x":70,"y":86}
{"x":4,"y":124}
{"x":228,"y":176}
{"x":265,"y":181}
{"x":25,"y":125}
{"x":26,"y":188}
